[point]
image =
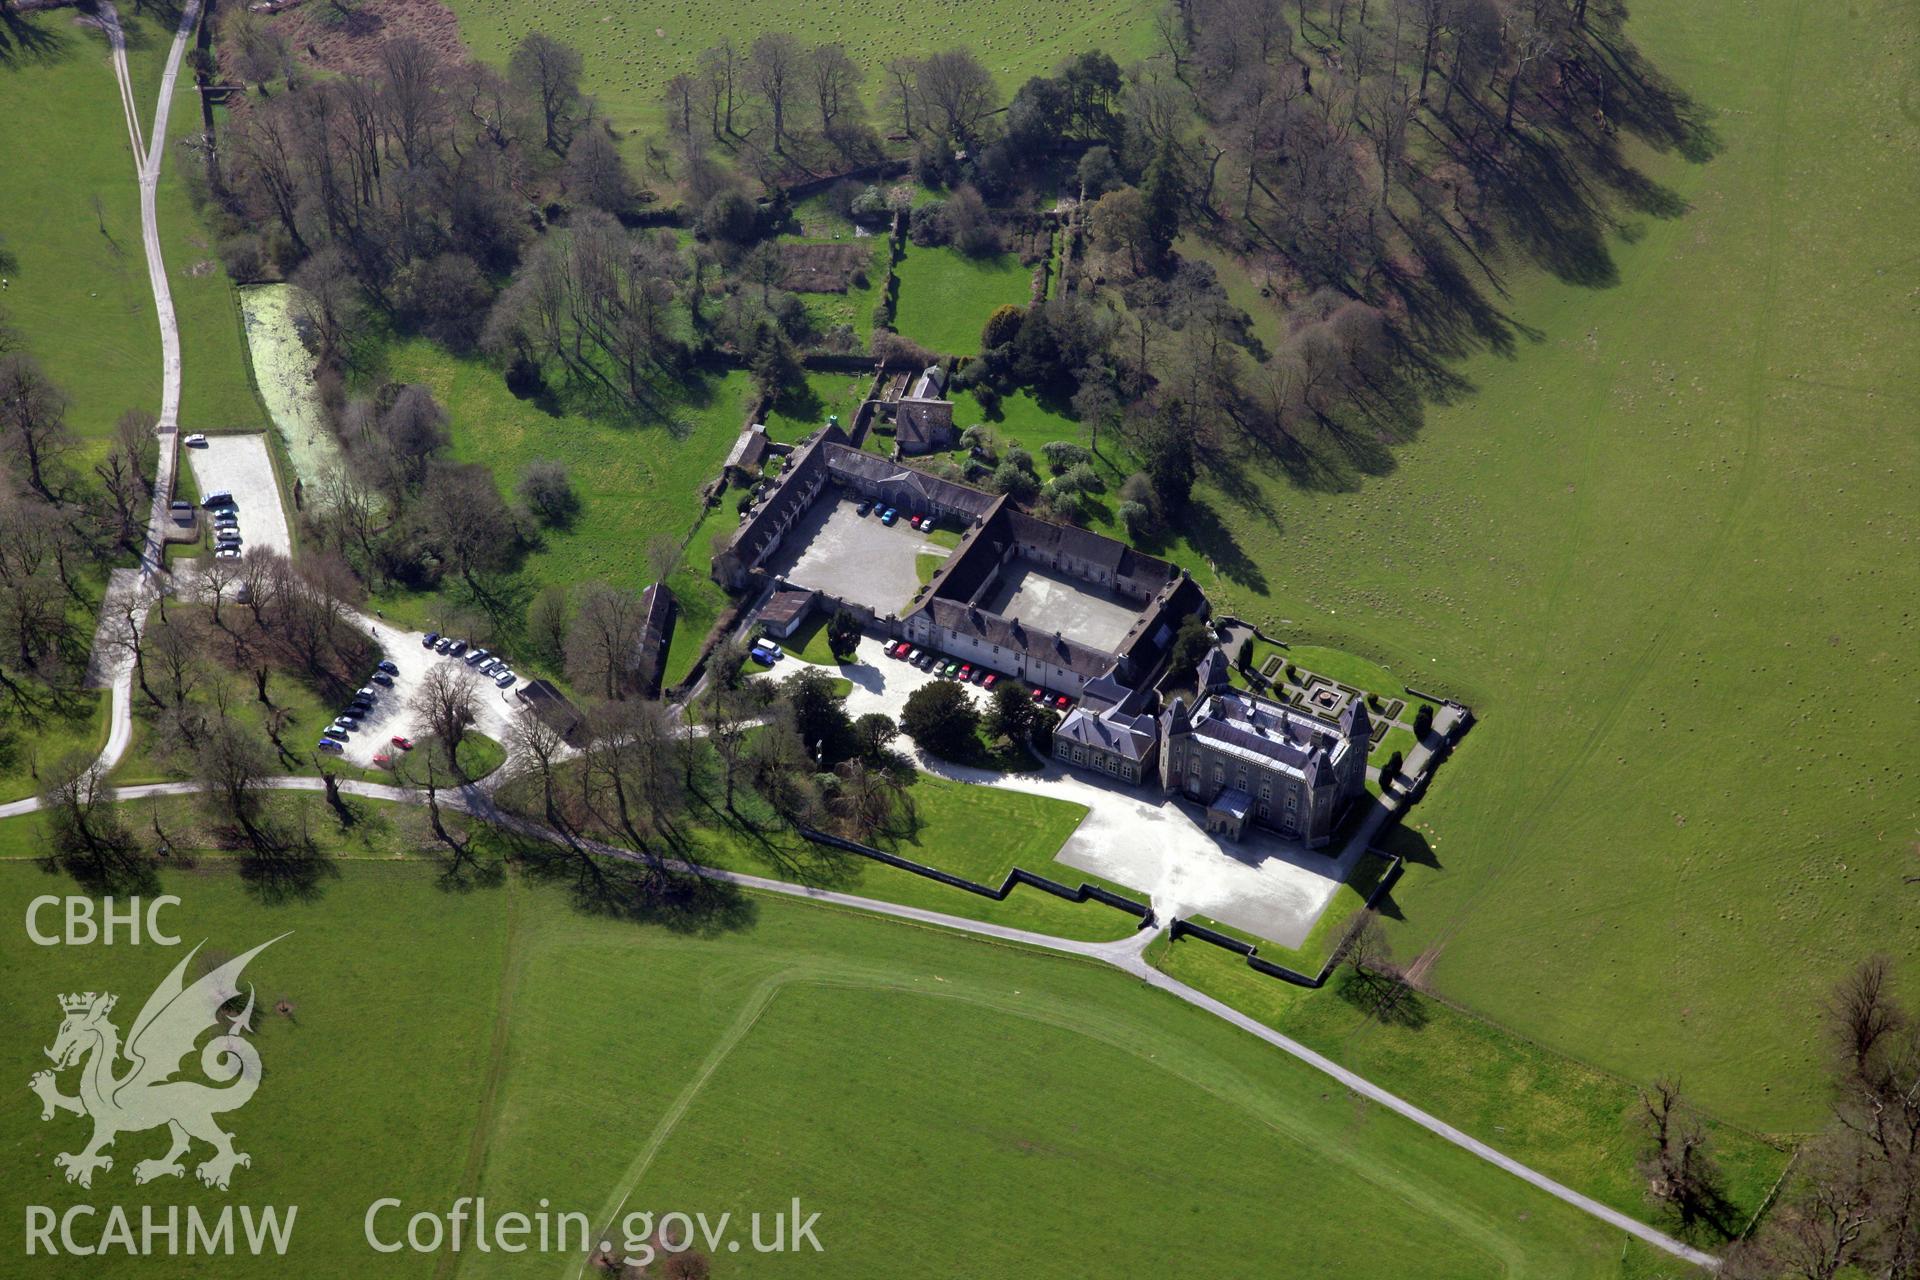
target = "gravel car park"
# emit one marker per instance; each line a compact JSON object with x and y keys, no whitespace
{"x":241,"y":466}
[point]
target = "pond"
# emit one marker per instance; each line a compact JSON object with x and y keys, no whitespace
{"x":283,"y":367}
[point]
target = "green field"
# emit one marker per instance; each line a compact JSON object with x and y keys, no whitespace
{"x":632,"y":52}
{"x":1663,"y":550}
{"x":991,"y":1081}
{"x":945,"y":298}
{"x":77,"y":289}
{"x":635,"y":482}
{"x":1569,"y":1120}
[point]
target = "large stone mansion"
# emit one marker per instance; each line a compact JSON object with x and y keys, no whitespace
{"x":1061,"y":608}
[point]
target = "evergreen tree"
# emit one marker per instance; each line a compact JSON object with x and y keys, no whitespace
{"x":1164,"y":193}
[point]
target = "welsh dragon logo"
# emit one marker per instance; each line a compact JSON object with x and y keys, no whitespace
{"x":146,"y":1096}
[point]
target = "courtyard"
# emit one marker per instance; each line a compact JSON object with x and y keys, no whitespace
{"x":836,"y":550}
{"x":1081,"y":611}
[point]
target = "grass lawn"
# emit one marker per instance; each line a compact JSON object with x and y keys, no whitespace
{"x":70,"y":222}
{"x":945,"y":298}
{"x":308,"y":714}
{"x":513,"y":1084}
{"x":634,"y":482}
{"x":477,"y":756}
{"x":27,"y":748}
{"x":804,"y":409}
{"x":1571,"y":1121}
{"x":632,"y":52}
{"x":1688,"y":805}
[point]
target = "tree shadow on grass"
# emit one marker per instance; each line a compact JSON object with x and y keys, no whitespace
{"x":1382,"y":997}
{"x":22,"y":42}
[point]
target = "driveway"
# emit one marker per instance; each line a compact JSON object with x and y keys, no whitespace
{"x":1134,"y":836}
{"x":242,"y":466}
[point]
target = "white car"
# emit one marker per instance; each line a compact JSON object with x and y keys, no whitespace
{"x":505,"y":679}
{"x":197,"y":441}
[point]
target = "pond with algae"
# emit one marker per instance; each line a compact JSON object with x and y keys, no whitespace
{"x":283,"y":367}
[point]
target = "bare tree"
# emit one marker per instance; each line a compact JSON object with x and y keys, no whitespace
{"x":447,"y":701}
{"x":834,"y":79}
{"x":548,"y":71}
{"x":775,"y":66}
{"x":84,"y":825}
{"x":956,"y":94}
{"x":33,"y":423}
{"x":1677,"y":1162}
{"x":663,"y":556}
{"x":604,"y":639}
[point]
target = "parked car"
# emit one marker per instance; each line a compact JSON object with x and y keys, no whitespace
{"x":1063,"y":702}
{"x":761,"y":656}
{"x":1039,"y":695}
{"x":459,"y":647}
{"x":335,"y":731}
{"x":227,"y":553}
{"x":443,"y":644}
{"x":914,"y":520}
{"x":772,"y":647}
{"x":386,"y":665}
{"x":476,"y":657}
{"x":913,"y":656}
{"x":328,"y":744}
{"x":367,"y":692}
{"x":230,"y":540}
{"x":430,"y":639}
{"x":218,"y":498}
{"x":382,"y":679}
{"x":864,"y":507}
{"x":197,"y":440}
{"x":966,"y":671}
{"x":383,"y":760}
{"x":888,"y":516}
{"x":505,"y":679}
{"x":980,"y":676}
{"x":490,"y":666}
{"x":989,"y":682}
{"x":226,"y":520}
{"x":348,"y":723}
{"x":405,"y":744}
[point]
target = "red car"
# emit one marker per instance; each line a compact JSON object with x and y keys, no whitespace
{"x":405,"y":744}
{"x":988,"y":682}
{"x":1063,"y":702}
{"x":384,"y":761}
{"x":915,"y":522}
{"x":893,"y":650}
{"x":966,"y":672}
{"x":1039,"y":695}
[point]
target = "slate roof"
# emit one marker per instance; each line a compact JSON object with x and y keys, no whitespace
{"x":785,"y":501}
{"x":1262,"y":731}
{"x":553,"y":709}
{"x":932,"y":384}
{"x":847,"y":462}
{"x":991,"y":628}
{"x":1132,"y":737}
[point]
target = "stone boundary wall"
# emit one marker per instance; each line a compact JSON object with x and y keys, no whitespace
{"x":1017,"y":876}
{"x":1187,"y":929}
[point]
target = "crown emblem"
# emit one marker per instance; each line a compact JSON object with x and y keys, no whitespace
{"x":81,"y":1001}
